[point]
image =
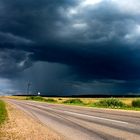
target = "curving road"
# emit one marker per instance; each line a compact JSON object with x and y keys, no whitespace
{"x":81,"y":123}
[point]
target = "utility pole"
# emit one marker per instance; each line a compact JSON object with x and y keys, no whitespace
{"x":28,"y":88}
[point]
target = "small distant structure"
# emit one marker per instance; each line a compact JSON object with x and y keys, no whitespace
{"x":38,"y":93}
{"x":28,"y":88}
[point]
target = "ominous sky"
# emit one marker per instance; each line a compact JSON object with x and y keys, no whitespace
{"x":69,"y":47}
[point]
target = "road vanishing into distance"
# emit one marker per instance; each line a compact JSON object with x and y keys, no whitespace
{"x":82,"y":123}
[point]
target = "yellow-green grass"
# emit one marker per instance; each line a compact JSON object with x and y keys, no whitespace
{"x":15,"y":97}
{"x":127,"y":101}
{"x":90,"y":102}
{"x":3,"y":112}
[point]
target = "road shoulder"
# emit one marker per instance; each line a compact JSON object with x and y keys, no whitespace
{"x":23,"y":127}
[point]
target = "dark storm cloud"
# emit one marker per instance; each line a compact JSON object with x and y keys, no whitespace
{"x":13,"y":61}
{"x":98,"y":40}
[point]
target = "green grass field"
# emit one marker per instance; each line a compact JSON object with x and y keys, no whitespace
{"x":3,"y":112}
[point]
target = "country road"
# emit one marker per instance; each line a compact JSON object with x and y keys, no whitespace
{"x":81,"y":123}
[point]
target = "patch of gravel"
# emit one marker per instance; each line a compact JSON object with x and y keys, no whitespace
{"x":20,"y":126}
